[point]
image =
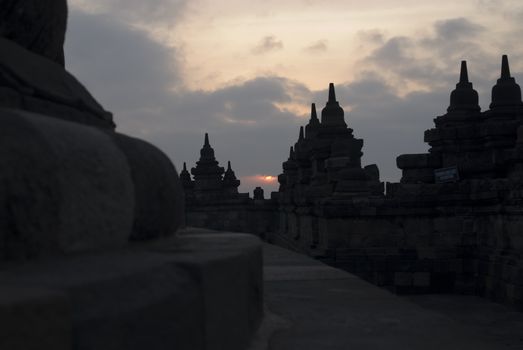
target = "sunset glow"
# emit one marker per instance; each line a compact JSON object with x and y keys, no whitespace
{"x":269,"y":178}
{"x":246,"y":72}
{"x":268,"y":182}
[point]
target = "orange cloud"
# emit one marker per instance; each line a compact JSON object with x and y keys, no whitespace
{"x":267,"y":182}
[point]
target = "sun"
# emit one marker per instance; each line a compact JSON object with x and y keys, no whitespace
{"x":268,"y":178}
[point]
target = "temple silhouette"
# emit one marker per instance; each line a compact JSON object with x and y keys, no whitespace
{"x":452,"y":224}
{"x":95,"y":253}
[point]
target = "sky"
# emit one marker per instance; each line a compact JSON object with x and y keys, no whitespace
{"x":247,"y":71}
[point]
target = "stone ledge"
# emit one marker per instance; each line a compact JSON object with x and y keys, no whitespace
{"x":197,"y":291}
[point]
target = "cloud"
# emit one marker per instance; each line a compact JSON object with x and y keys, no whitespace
{"x":135,"y":11}
{"x":457,"y":29}
{"x":403,"y":83}
{"x":425,"y":62}
{"x":373,"y":36}
{"x":245,"y":124}
{"x":139,"y":80}
{"x":317,"y":47}
{"x":121,"y":65}
{"x":267,"y":44}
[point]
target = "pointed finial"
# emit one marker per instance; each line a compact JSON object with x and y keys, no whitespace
{"x":301,"y":134}
{"x":184,"y":166}
{"x":464,"y":98}
{"x":332,"y":115}
{"x":332,"y":93}
{"x":291,"y":153}
{"x":314,"y":115}
{"x":505,"y":70}
{"x":506,"y":92}
{"x":206,"y":143}
{"x":464,"y":75}
{"x":229,"y":166}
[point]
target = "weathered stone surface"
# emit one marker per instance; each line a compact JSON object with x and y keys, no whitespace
{"x":423,"y":160}
{"x":34,"y":319}
{"x":69,"y":188}
{"x":158,"y":195}
{"x":65,"y":187}
{"x":38,"y":26}
{"x":192,"y":292}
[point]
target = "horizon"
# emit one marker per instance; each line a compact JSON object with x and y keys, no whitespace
{"x":246,"y":73}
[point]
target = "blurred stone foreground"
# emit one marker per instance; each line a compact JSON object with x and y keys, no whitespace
{"x":89,"y":258}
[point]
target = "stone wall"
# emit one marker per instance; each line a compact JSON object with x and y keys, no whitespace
{"x":410,"y":245}
{"x":212,"y":199}
{"x":427,"y":234}
{"x":461,"y":233}
{"x":251,"y":216}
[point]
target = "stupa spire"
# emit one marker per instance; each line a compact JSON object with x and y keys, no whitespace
{"x":506,"y":92}
{"x":207,"y":152}
{"x":314,"y":123}
{"x":332,"y":115}
{"x":332,"y":93}
{"x":207,"y":165}
{"x":505,"y":69}
{"x":229,"y":179}
{"x":208,"y":174}
{"x":301,"y":137}
{"x":185,"y":177}
{"x":464,"y":74}
{"x":464,"y":97}
{"x":314,"y":115}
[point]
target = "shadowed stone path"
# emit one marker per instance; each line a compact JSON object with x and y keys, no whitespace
{"x":310,"y":305}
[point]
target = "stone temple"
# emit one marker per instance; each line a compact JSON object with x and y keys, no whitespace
{"x":95,"y":252}
{"x":212,"y":199}
{"x":451,"y":225}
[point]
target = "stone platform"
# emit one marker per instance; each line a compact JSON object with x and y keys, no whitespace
{"x":197,"y":291}
{"x":204,"y":290}
{"x":310,"y":305}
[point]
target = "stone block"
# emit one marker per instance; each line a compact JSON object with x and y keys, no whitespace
{"x":421,"y":279}
{"x":10,"y":98}
{"x":417,"y":175}
{"x":34,"y":319}
{"x":422,"y":160}
{"x":372,"y":172}
{"x":403,"y":279}
{"x":229,"y":269}
{"x":337,"y":162}
{"x":196,"y":292}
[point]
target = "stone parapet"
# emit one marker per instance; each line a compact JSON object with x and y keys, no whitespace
{"x":197,"y":291}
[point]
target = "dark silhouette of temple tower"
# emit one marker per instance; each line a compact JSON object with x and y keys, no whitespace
{"x":326,"y":160}
{"x":212,"y":199}
{"x":466,"y":141}
{"x":211,"y":182}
